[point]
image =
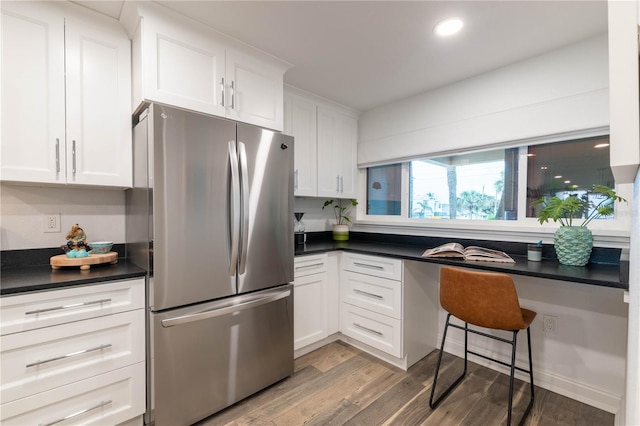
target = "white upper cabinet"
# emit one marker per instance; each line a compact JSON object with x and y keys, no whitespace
{"x":33,"y":108}
{"x":326,"y":137}
{"x":300,"y":122}
{"x":337,"y":153}
{"x":98,"y":70}
{"x":65,"y":96}
{"x":180,"y":62}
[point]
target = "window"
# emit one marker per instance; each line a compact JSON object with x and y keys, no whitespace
{"x":567,"y":168}
{"x":467,"y":186}
{"x":384,"y":191}
{"x":484,"y":185}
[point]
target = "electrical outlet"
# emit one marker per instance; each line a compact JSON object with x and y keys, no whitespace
{"x":549,"y":324}
{"x":52,"y":223}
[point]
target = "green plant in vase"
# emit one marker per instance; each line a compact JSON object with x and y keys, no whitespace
{"x":341,"y":210}
{"x":573,"y":242}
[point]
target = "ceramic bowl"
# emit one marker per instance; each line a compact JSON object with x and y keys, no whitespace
{"x":101,"y":247}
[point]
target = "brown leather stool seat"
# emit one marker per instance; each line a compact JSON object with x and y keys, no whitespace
{"x":488,"y":300}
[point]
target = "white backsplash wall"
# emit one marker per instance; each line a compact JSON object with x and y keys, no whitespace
{"x":316,"y":219}
{"x":100,"y":212}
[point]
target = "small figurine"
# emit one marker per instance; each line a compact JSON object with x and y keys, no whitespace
{"x":77,"y":242}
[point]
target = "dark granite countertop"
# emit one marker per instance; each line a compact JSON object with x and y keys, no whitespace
{"x":28,"y":271}
{"x":605,"y":274}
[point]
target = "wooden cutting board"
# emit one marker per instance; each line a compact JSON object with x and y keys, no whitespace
{"x":84,"y":263}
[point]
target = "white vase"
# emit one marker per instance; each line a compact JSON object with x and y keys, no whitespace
{"x":340,"y":232}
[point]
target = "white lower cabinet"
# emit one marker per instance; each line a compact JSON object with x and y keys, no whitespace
{"x":309,"y":303}
{"x":388,"y":308}
{"x":385,"y":306}
{"x":75,"y":353}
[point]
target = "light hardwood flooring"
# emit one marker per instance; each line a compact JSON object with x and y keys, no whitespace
{"x":341,"y":385}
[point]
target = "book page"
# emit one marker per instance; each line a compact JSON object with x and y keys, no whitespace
{"x":489,"y":255}
{"x":445,"y":250}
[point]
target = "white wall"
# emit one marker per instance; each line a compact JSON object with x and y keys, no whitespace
{"x":558,"y":92}
{"x":316,"y":219}
{"x":101,"y":213}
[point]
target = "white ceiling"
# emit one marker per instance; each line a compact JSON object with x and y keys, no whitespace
{"x":364,"y":54}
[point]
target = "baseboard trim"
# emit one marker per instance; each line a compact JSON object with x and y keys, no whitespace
{"x":553,"y":382}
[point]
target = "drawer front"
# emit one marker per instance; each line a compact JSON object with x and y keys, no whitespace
{"x":106,"y":399}
{"x":307,"y":265}
{"x":379,"y":295}
{"x":42,"y":359}
{"x":378,"y":331}
{"x":377,"y":266}
{"x":25,"y":312}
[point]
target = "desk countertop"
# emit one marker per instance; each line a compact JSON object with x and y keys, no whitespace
{"x":605,"y":275}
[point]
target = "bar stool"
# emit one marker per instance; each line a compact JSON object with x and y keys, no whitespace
{"x":488,"y":300}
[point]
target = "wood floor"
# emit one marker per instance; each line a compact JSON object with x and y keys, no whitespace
{"x":341,"y":385}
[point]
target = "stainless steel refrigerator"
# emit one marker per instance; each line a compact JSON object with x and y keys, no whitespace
{"x":209,"y":218}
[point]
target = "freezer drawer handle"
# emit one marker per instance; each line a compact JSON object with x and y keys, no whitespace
{"x":71,"y":355}
{"x":370,"y":330}
{"x":73,"y":305}
{"x":218,"y":312}
{"x":70,"y":416}
{"x":366,"y":265}
{"x":313,"y":265}
{"x":366,"y":293}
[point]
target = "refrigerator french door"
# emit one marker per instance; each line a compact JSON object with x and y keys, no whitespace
{"x":209,"y":217}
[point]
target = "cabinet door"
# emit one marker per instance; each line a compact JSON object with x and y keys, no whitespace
{"x":309,"y":310}
{"x":33,"y":109}
{"x":347,"y":159}
{"x":337,"y":139}
{"x":182,"y":68}
{"x":98,"y":67}
{"x":303,"y":129}
{"x":255,"y":91}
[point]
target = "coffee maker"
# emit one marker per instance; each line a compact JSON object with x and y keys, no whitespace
{"x":298,"y":229}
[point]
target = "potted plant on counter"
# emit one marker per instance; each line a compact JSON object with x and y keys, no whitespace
{"x":341,"y":211}
{"x":573,"y":243}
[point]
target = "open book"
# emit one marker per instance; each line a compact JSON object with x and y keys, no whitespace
{"x":469,"y":253}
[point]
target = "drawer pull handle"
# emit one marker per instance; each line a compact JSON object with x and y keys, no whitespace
{"x":379,"y":333}
{"x":366,"y":265}
{"x":366,"y":293}
{"x":73,"y":305}
{"x":300,"y":268}
{"x":70,"y":416}
{"x":72,"y":354}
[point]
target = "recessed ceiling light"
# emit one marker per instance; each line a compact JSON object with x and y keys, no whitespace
{"x":601,"y":145}
{"x":543,"y":167}
{"x":557,"y":177}
{"x":567,"y":181}
{"x":448,"y":27}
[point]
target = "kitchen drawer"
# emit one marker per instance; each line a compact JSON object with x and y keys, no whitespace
{"x":307,"y":265}
{"x":38,"y":360}
{"x":379,"y":295}
{"x":382,"y":267}
{"x":36,"y":310}
{"x":373,"y":329}
{"x":106,"y":399}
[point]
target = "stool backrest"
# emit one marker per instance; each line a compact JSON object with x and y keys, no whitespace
{"x":485,"y":299}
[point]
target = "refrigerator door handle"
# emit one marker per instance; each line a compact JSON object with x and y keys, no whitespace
{"x":218,"y":312}
{"x":244,"y":189}
{"x":234,"y":213}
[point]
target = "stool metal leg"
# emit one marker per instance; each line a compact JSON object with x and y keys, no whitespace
{"x":526,"y":412}
{"x":433,"y":404}
{"x":512,"y":376}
